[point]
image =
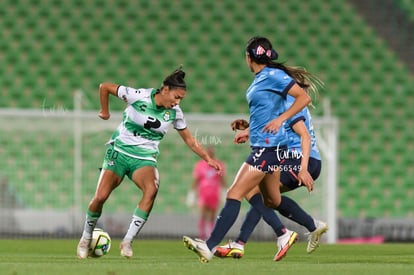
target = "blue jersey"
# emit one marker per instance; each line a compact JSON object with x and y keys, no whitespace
{"x":266,"y":97}
{"x":294,"y":144}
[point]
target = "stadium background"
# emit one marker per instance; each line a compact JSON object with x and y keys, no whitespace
{"x":362,"y":51}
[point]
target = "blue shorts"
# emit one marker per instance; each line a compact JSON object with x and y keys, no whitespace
{"x":291,"y":168}
{"x":267,"y":159}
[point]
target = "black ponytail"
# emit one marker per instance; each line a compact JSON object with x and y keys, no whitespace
{"x":176,"y":79}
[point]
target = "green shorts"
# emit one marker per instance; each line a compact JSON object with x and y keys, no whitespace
{"x":122,"y":164}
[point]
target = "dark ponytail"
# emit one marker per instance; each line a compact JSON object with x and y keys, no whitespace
{"x":261,"y":51}
{"x":176,"y":79}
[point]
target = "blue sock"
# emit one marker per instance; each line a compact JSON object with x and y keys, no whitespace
{"x":268,"y":214}
{"x":252,"y":218}
{"x":291,"y":210}
{"x":224,"y":222}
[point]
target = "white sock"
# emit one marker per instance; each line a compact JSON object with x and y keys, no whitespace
{"x":134,"y":228}
{"x":89,"y":226}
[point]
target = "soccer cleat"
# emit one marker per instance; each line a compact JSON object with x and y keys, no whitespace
{"x":315,"y":236}
{"x":285,"y":242}
{"x":232,"y":250}
{"x":83,"y":250}
{"x":126,"y":249}
{"x":199,"y":247}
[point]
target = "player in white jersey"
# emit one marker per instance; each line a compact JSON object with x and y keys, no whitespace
{"x":133,"y":149}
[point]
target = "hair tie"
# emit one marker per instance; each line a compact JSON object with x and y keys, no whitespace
{"x":268,"y":53}
{"x":260,"y":51}
{"x":272,"y":54}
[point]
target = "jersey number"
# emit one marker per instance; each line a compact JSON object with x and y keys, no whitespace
{"x":111,"y":154}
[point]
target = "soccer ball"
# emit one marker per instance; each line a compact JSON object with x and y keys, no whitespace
{"x":100,"y":244}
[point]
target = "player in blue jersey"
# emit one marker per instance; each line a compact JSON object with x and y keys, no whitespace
{"x":133,"y":149}
{"x":305,"y":161}
{"x":266,"y":98}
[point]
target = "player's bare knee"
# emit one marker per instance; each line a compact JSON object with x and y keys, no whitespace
{"x":101,"y":197}
{"x":149,"y":193}
{"x":269,"y":203}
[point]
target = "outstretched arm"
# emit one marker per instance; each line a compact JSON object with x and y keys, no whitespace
{"x":196,"y":147}
{"x":105,"y":89}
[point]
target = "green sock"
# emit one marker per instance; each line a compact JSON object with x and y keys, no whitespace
{"x":140,"y":213}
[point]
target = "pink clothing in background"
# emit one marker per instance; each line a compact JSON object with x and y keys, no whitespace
{"x":208,"y":184}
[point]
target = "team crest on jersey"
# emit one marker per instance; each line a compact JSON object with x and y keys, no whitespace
{"x":167,"y":116}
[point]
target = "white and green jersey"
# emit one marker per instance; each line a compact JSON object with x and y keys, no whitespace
{"x":144,"y":124}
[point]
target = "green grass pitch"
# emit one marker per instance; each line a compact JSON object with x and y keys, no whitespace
{"x":58,"y":257}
